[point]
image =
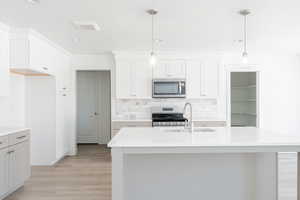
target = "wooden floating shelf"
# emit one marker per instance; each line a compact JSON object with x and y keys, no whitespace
{"x":26,"y":72}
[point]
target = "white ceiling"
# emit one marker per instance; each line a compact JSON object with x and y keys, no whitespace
{"x":191,"y":25}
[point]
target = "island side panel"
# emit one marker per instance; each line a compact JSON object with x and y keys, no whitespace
{"x":117,"y":174}
{"x":191,"y":176}
{"x":266,"y":176}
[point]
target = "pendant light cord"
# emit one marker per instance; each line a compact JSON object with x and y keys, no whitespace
{"x":245,"y":34}
{"x":152,"y":33}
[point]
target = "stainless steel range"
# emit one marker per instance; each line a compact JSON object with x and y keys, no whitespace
{"x":167,"y":116}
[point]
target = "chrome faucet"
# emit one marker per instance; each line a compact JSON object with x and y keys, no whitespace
{"x":189,"y":124}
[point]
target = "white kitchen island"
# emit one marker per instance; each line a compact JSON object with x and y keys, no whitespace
{"x":170,"y":164}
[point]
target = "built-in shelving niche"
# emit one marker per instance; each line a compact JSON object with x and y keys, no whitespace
{"x":243,"y":99}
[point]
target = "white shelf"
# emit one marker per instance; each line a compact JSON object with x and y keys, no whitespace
{"x":245,"y":100}
{"x":244,"y":87}
{"x":239,"y":125}
{"x":251,"y":114}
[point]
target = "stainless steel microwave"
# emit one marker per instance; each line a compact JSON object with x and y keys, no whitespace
{"x":168,"y":88}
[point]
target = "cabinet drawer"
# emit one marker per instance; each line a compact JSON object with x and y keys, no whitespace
{"x":120,"y":124}
{"x":3,"y":142}
{"x":209,"y":123}
{"x":18,"y":137}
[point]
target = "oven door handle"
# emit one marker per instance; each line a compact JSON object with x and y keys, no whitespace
{"x":180,"y":89}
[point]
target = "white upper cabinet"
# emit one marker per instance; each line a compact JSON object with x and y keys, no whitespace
{"x":134,"y":76}
{"x":210,"y":78}
{"x":133,"y":79}
{"x":203,"y":79}
{"x":30,"y":53}
{"x":123,"y":82}
{"x":4,"y":60}
{"x":194,"y":79}
{"x":170,"y":69}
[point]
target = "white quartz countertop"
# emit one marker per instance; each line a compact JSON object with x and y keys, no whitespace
{"x":6,"y":130}
{"x":150,"y":120}
{"x":221,"y":137}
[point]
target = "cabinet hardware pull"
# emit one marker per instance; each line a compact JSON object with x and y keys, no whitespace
{"x":21,"y":137}
{"x":10,"y":152}
{"x":45,"y":68}
{"x":0,"y":142}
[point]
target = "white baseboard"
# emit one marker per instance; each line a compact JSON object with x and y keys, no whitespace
{"x":11,"y":191}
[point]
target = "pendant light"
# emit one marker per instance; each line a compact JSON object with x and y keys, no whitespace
{"x":245,"y":13}
{"x":153,"y":58}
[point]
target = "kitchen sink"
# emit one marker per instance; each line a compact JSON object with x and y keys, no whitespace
{"x":204,"y":130}
{"x":196,"y":130}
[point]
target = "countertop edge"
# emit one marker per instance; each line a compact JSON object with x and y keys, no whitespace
{"x":13,"y":131}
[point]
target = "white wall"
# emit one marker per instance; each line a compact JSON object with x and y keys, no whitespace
{"x":12,"y":108}
{"x":86,"y":62}
{"x":41,"y":118}
{"x":100,"y":61}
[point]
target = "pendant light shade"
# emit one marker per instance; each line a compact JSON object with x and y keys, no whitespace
{"x":245,"y":13}
{"x":153,"y":58}
{"x":245,"y":57}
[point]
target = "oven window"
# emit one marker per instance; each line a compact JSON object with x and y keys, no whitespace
{"x":166,"y":88}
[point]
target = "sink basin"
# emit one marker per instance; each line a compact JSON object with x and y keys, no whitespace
{"x":204,"y":130}
{"x":177,"y":130}
{"x":196,"y":130}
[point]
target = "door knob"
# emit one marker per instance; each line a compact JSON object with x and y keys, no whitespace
{"x":96,"y":114}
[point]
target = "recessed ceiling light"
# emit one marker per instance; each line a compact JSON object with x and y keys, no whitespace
{"x":86,"y":25}
{"x":33,"y":1}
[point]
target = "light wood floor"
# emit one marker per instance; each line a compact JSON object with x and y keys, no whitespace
{"x":83,"y":177}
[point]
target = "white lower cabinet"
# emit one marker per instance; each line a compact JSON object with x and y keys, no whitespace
{"x":3,"y":172}
{"x":18,"y":164}
{"x":118,"y":125}
{"x":14,"y":163}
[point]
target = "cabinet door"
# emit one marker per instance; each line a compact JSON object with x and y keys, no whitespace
{"x":123,"y":80}
{"x":4,"y":63}
{"x":42,"y":56}
{"x":19,"y":164}
{"x":170,"y":69}
{"x":3,"y":172}
{"x":142,"y":80}
{"x":203,"y":79}
{"x":159,"y":70}
{"x":176,"y":69}
{"x":133,"y":79}
{"x":194,"y":79}
{"x":210,"y":78}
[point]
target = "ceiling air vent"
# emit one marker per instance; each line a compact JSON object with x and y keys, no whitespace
{"x":86,"y":25}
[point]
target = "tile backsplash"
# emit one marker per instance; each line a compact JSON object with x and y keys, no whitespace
{"x":141,"y":109}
